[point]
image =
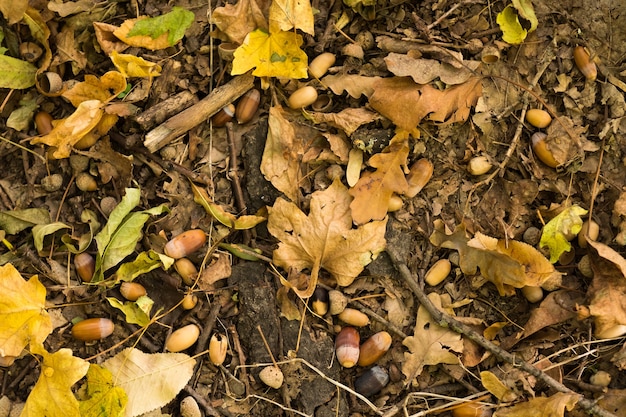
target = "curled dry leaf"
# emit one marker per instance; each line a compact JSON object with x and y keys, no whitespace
{"x":507,"y":264}
{"x":553,"y":406}
{"x":423,"y":71}
{"x":348,"y":120}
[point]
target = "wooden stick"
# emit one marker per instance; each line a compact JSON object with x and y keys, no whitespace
{"x":191,"y":117}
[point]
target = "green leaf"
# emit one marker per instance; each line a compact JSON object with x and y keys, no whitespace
{"x":104,"y":399}
{"x":175,"y":23}
{"x":136,"y":312}
{"x":144,"y":263}
{"x":40,"y":231}
{"x":560,"y":230}
{"x":512,"y":30}
{"x":20,"y":118}
{"x":201,"y":197}
{"x":15,"y":73}
{"x":120,"y":235}
{"x":14,"y":221}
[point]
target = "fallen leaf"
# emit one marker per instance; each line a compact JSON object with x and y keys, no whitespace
{"x":348,"y":120}
{"x":40,"y":31}
{"x":423,"y":71}
{"x":272,"y":55}
{"x":21,"y":118}
{"x":13,"y":10}
{"x":135,"y":312}
{"x":40,"y":231}
{"x":237,"y":20}
{"x":325,"y":238}
{"x":288,"y":14}
{"x":218,"y":269}
{"x":134,"y":66}
{"x":244,"y":222}
{"x":512,"y":30}
{"x":14,"y":221}
{"x":106,"y":39}
{"x":22,"y":312}
{"x":373,"y":190}
{"x":507,"y":264}
{"x":103,"y":89}
{"x":104,"y":399}
{"x":143,"y":263}
{"x":430,"y":343}
{"x":158,"y":32}
{"x":560,"y":230}
{"x":15,"y":73}
{"x":67,"y":50}
{"x":354,"y":85}
{"x":493,"y":384}
{"x":553,"y":406}
{"x":70,"y":7}
{"x":52,"y":394}
{"x":149,"y":380}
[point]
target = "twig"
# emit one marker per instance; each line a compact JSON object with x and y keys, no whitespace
{"x":446,"y":321}
{"x":233,"y":174}
{"x":191,"y":117}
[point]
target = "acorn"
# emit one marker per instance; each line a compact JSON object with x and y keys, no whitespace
{"x":337,"y":302}
{"x":85,"y":266}
{"x":589,"y":229}
{"x":182,"y":338}
{"x":438,"y":272}
{"x":420,"y":173}
{"x":85,"y":182}
{"x":185,"y":243}
{"x":479,"y":165}
{"x":585,"y":64}
{"x":43,"y":122}
{"x":611,"y":332}
{"x":92,"y":329}
{"x":132,"y":290}
{"x":347,"y":347}
{"x":189,"y":407}
{"x":538,"y":140}
{"x":319,"y":301}
{"x":30,"y":51}
{"x":538,"y":118}
{"x":272,"y":376}
{"x":302,"y":97}
{"x":218,"y":347}
{"x":354,"y":317}
{"x":395,"y":203}
{"x":374,"y":348}
{"x":186,"y":269}
{"x":223,"y":116}
{"x":471,"y":410}
{"x":247,"y":106}
{"x":321,"y":64}
{"x":189,"y":301}
{"x":532,"y":293}
{"x":601,"y":379}
{"x":372,"y":381}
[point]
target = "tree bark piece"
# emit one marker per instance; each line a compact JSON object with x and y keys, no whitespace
{"x":198,"y":113}
{"x":161,"y":111}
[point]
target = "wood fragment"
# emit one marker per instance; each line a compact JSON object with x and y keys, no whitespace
{"x":198,"y":113}
{"x":167,"y":108}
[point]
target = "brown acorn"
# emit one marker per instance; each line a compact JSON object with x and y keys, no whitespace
{"x":92,"y":329}
{"x":347,"y":347}
{"x":585,"y":64}
{"x":185,"y":243}
{"x":85,"y":266}
{"x":374,"y":348}
{"x":132,"y":290}
{"x":182,"y":338}
{"x":372,"y":381}
{"x":247,"y":106}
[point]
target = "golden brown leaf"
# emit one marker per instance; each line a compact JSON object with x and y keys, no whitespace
{"x":553,"y":406}
{"x":237,"y":20}
{"x":104,"y":88}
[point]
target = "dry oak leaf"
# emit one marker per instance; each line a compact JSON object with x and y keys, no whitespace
{"x":104,"y":88}
{"x":324,"y":238}
{"x":430,"y":344}
{"x":507,"y":264}
{"x":373,"y":190}
{"x":72,"y":129}
{"x":22,"y":312}
{"x":553,"y":406}
{"x":52,"y":395}
{"x":237,"y":20}
{"x":67,"y":50}
{"x":354,"y":85}
{"x":288,"y":14}
{"x":424,"y":70}
{"x":348,"y":120}
{"x":607,"y":292}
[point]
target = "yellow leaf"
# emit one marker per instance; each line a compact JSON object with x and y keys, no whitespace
{"x":134,"y":66}
{"x":374,"y":189}
{"x":508,"y":264}
{"x":430,"y":344}
{"x":104,"y":398}
{"x":22,"y":312}
{"x":104,"y":88}
{"x":69,"y":131}
{"x":141,"y":41}
{"x":273,"y":55}
{"x":288,"y":14}
{"x":512,"y":30}
{"x":325,"y":238}
{"x":553,"y":406}
{"x":497,"y":387}
{"x":560,"y":230}
{"x":201,"y":197}
{"x":52,"y":395}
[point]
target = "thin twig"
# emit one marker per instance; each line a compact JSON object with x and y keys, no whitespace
{"x":446,"y":321}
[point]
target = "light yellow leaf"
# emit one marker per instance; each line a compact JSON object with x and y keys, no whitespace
{"x":136,"y":312}
{"x":324,"y":238}
{"x":104,"y":88}
{"x":104,"y":399}
{"x":272,"y":55}
{"x":134,"y":66}
{"x":22,"y":312}
{"x":150,"y":380}
{"x":52,"y":394}
{"x":492,"y":384}
{"x":553,"y":406}
{"x":430,"y":344}
{"x":560,"y":230}
{"x":201,"y":197}
{"x":69,"y":131}
{"x":288,"y":14}
{"x":512,"y":30}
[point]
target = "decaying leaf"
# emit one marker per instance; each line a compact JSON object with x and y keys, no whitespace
{"x":324,"y":238}
{"x":135,"y":312}
{"x":150,"y":380}
{"x":560,"y":230}
{"x":104,"y":88}
{"x":354,"y":85}
{"x":22,"y":314}
{"x":52,"y":394}
{"x":237,"y":20}
{"x":156,"y":32}
{"x":134,"y":66}
{"x":423,"y":71}
{"x":493,"y":384}
{"x":289,"y":14}
{"x":201,"y":197}
{"x":272,"y":55}
{"x":14,"y":221}
{"x":102,"y":395}
{"x":374,"y":189}
{"x":553,"y":406}
{"x":347,"y":120}
{"x":507,"y":264}
{"x":430,"y":344}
